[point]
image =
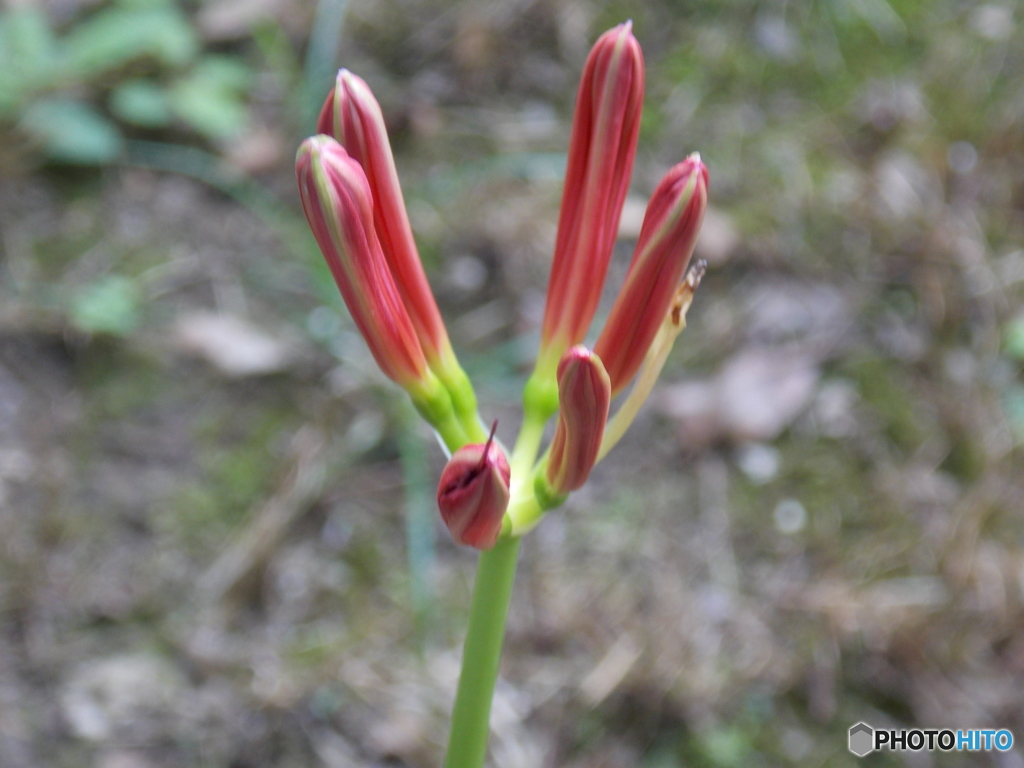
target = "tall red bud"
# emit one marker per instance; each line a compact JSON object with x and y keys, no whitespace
{"x":352,"y":115}
{"x":602,"y":147}
{"x":663,"y":250}
{"x":338,"y":204}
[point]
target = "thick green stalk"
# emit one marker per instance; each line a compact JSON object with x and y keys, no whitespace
{"x":492,"y":591}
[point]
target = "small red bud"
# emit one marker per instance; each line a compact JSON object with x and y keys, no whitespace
{"x":584,"y":395}
{"x":473,"y":493}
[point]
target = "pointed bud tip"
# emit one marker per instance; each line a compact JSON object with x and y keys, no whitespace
{"x":694,"y":159}
{"x":574,"y":356}
{"x":692,"y":163}
{"x":683,"y":182}
{"x":667,"y":238}
{"x":580,"y":371}
{"x":323,"y":154}
{"x":314,"y":144}
{"x":602,"y":148}
{"x":354,"y":85}
{"x":348,"y":80}
{"x":618,"y":38}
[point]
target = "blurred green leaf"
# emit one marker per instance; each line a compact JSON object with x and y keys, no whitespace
{"x":11,"y":91}
{"x":207,"y":110}
{"x":109,"y":305}
{"x":210,"y":99}
{"x":277,"y":51}
{"x":727,"y":747}
{"x":142,"y":103}
{"x":28,"y":54}
{"x":224,"y":72}
{"x":72,"y":132}
{"x":1013,"y":338}
{"x":662,"y":756}
{"x":9,"y":97}
{"x":1013,"y":402}
{"x":135,"y":4}
{"x":25,"y":37}
{"x":117,"y":36}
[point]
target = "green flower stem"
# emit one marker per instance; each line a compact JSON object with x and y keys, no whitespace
{"x":474,"y":428}
{"x":451,"y":432}
{"x":523,"y":514}
{"x":525,"y":452}
{"x":460,"y":388}
{"x":492,"y":591}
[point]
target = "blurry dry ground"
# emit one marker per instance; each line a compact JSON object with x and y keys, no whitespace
{"x":817,"y":519}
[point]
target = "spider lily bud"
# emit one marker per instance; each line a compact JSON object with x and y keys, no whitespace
{"x":353,"y":117}
{"x":654,"y":360}
{"x":584,"y":395}
{"x":663,"y":250}
{"x":602,"y":147}
{"x":338,"y":204}
{"x":473,"y":493}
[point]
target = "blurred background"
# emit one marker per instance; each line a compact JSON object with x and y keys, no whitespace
{"x":218,"y":539}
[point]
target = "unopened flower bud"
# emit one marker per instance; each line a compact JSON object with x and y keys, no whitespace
{"x":663,"y":250}
{"x":584,"y":395}
{"x":654,"y":360}
{"x":602,"y":147}
{"x":353,"y":117}
{"x":473,"y":493}
{"x":338,"y":204}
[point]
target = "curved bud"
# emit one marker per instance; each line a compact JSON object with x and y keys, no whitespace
{"x":663,"y":250}
{"x":602,"y":147}
{"x":584,"y":395}
{"x":353,"y":117}
{"x":473,"y":493}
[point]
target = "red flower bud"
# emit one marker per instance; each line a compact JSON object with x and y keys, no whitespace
{"x":584,"y":395}
{"x":605,"y":128}
{"x":352,"y":115}
{"x":473,"y":493}
{"x":667,"y":237}
{"x":338,"y":204}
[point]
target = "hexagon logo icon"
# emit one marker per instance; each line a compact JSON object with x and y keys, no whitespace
{"x":862,"y":737}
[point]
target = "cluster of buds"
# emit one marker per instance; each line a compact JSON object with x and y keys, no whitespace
{"x":351,"y":196}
